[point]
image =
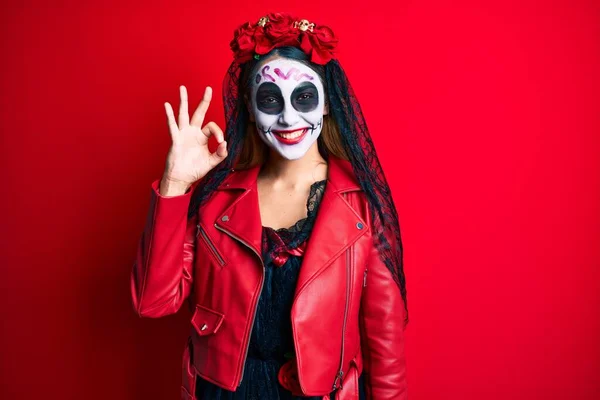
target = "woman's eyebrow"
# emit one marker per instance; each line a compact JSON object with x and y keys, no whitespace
{"x":305,"y":84}
{"x":269,"y":91}
{"x":268,"y":88}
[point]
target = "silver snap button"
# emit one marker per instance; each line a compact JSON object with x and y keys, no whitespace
{"x":359,"y":225}
{"x":204,"y":327}
{"x":225,"y":218}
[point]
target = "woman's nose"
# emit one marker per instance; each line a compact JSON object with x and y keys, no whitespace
{"x":289,"y":116}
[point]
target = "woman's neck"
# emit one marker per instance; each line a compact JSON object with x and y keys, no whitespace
{"x":292,"y":174}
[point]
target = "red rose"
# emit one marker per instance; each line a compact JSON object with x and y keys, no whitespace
{"x":278,"y":31}
{"x":288,"y":377}
{"x":320,"y":44}
{"x":263,"y":44}
{"x":243,"y":43}
{"x":280,"y":27}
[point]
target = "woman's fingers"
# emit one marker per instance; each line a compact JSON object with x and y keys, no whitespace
{"x":198,"y":117}
{"x":219,"y":154}
{"x":173,"y":128}
{"x":184,"y":118}
{"x":213,"y":129}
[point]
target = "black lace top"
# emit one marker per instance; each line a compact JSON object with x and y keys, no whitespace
{"x":271,"y":340}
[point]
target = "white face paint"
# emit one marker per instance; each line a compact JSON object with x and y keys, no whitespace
{"x":288,"y":100}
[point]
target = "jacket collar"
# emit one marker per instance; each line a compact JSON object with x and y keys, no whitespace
{"x":337,"y":225}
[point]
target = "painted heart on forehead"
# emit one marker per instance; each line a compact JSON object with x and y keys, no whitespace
{"x":288,"y":104}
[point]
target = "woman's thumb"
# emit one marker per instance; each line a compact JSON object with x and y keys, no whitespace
{"x":222,"y":149}
{"x":221,"y":152}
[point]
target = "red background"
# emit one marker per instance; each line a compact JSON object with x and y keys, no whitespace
{"x":486,"y":120}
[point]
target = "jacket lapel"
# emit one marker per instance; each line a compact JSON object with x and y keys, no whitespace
{"x":242,"y":218}
{"x":337,"y":225}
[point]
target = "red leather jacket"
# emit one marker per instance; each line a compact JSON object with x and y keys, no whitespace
{"x":214,"y":262}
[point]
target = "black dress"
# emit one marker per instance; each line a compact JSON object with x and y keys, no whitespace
{"x":271,"y":340}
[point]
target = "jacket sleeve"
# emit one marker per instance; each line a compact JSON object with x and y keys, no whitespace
{"x":161,"y":278}
{"x":382,"y":333}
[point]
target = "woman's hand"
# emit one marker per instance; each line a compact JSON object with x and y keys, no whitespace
{"x":189,"y":158}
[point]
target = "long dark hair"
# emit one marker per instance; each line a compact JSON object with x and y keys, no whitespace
{"x":345,"y":134}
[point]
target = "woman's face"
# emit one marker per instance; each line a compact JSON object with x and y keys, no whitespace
{"x":288,"y":103}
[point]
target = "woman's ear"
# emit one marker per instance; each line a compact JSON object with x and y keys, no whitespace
{"x":326,"y":109}
{"x":249,"y":107}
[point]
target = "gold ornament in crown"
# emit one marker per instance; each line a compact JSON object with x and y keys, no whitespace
{"x":304,"y":25}
{"x":263,"y":21}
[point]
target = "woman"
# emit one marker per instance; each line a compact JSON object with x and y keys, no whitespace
{"x":285,"y":241}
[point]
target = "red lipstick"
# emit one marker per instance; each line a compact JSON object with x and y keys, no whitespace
{"x":290,"y":141}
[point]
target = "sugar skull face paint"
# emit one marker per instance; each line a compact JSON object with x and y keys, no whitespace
{"x":288,"y":100}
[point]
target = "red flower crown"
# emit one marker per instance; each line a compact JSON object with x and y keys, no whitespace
{"x":278,"y":30}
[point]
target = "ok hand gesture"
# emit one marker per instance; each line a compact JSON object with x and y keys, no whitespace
{"x":189,"y":158}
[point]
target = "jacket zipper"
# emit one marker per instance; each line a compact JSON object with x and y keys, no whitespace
{"x":262,"y":279}
{"x":365,"y":279}
{"x":210,"y":244}
{"x":340,"y":375}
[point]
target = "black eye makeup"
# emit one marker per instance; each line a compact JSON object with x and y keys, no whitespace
{"x":269,"y":98}
{"x":305,"y":97}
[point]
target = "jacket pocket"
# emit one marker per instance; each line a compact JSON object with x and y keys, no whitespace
{"x":206,"y":321}
{"x":188,"y":384}
{"x":358,"y":362}
{"x":201,"y":232}
{"x":349,"y":390}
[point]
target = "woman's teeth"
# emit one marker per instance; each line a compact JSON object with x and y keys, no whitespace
{"x":291,"y":135}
